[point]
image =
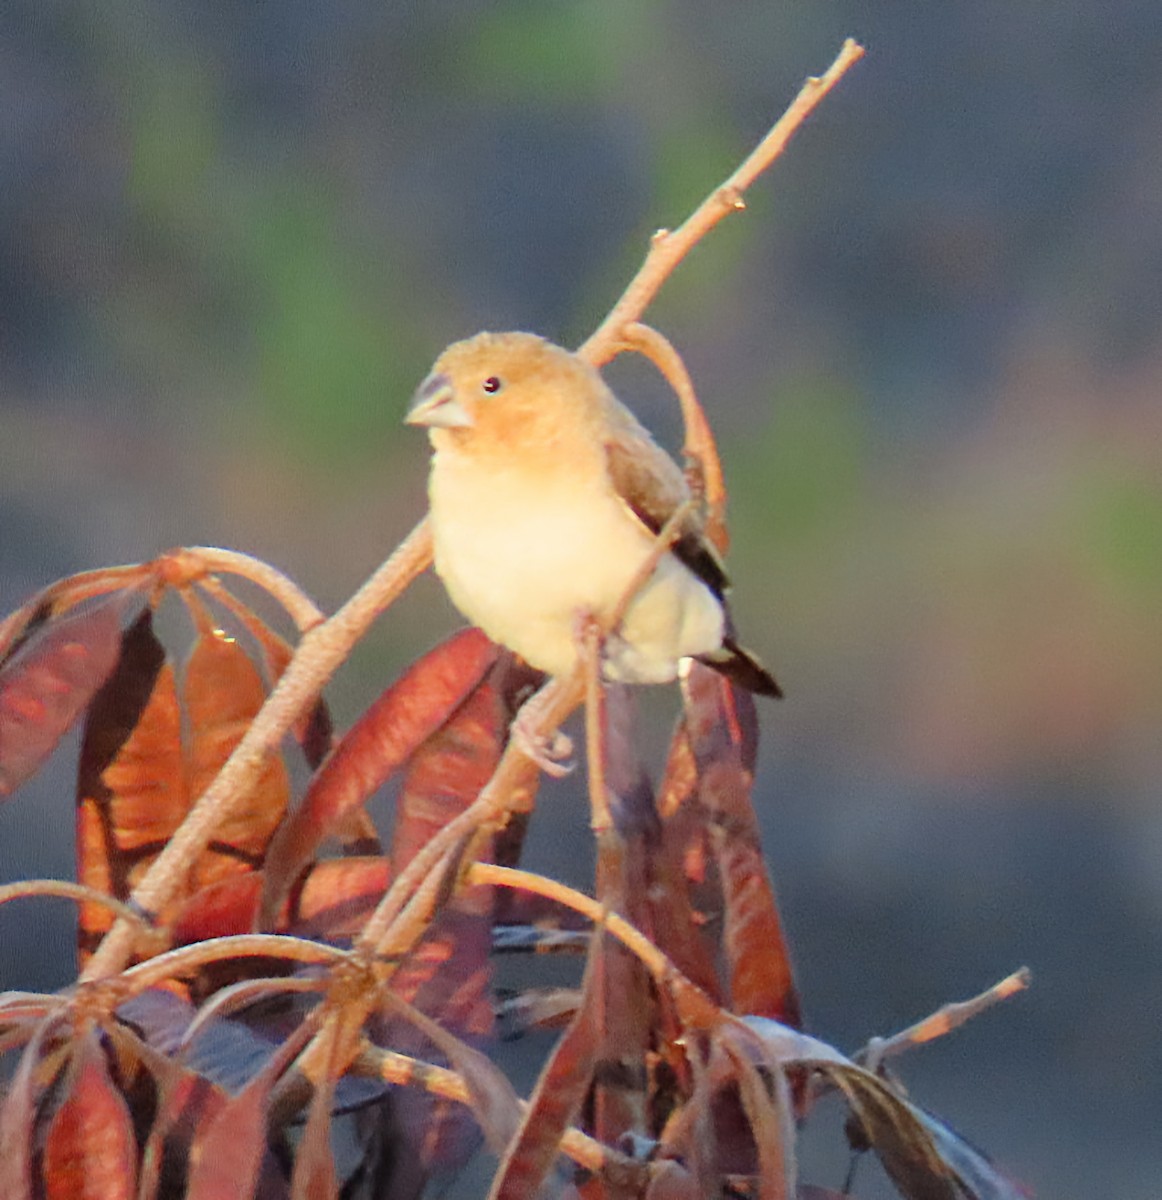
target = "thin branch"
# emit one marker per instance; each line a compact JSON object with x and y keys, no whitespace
{"x":699,"y":449}
{"x":324,"y":647}
{"x":668,"y":248}
{"x":553,"y":703}
{"x":592,"y":644}
{"x":694,"y":1006}
{"x":943,"y":1021}
{"x":319,"y":654}
{"x":80,"y":892}
{"x":402,"y":1070}
{"x":186,"y":959}
{"x":305,"y":613}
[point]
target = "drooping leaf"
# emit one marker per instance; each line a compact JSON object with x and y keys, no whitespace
{"x":226,"y":1052}
{"x":379,"y":743}
{"x":230,"y":1145}
{"x":138,"y":777}
{"x":979,"y":1177}
{"x":222,"y":693}
{"x":896,"y":1130}
{"x":90,"y":1152}
{"x":448,"y":770}
{"x":899,"y":1138}
{"x":621,"y":992}
{"x":50,"y":680}
{"x":228,"y":906}
{"x":560,"y":1090}
{"x":338,"y":895}
{"x":54,"y":601}
{"x":186,"y":1102}
{"x":313,"y":730}
{"x":720,"y":720}
{"x":131,"y":787}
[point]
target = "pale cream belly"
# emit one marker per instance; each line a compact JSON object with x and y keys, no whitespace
{"x":523,"y":572}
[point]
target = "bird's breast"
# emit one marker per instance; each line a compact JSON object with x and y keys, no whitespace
{"x":521,"y":554}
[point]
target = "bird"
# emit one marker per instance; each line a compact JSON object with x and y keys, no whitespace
{"x":546,"y":496}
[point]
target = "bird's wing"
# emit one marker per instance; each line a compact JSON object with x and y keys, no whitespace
{"x":652,"y":486}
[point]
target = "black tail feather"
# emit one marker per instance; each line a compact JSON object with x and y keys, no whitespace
{"x":741,"y":667}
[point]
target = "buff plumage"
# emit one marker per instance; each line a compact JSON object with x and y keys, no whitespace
{"x":546,"y":495}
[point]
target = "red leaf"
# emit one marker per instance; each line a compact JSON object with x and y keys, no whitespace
{"x":381,"y":741}
{"x":222,"y":694}
{"x":187,"y":1101}
{"x":335,"y":899}
{"x":563,"y":1083}
{"x":131,"y":788}
{"x":720,"y":719}
{"x":137,"y":783}
{"x":227,"y":1152}
{"x":220,"y":909}
{"x":48,"y":682}
{"x":337,"y":896}
{"x":90,"y":1152}
{"x":313,"y":730}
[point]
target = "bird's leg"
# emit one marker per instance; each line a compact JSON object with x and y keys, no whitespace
{"x":590,"y":636}
{"x":549,"y":751}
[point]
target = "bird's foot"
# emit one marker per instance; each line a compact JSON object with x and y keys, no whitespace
{"x":551,"y":752}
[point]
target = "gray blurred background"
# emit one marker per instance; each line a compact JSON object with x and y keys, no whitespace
{"x":233,"y":236}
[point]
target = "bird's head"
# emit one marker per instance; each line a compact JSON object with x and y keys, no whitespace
{"x":506,"y":390}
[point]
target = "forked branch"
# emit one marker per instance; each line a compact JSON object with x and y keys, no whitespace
{"x":324,"y":647}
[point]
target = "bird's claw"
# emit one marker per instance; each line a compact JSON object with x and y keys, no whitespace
{"x":549,"y":751}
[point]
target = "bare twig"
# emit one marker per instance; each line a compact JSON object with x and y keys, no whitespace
{"x":80,"y":892}
{"x":592,"y":644}
{"x":553,"y":703}
{"x":699,"y":450}
{"x":401,"y":1069}
{"x":668,"y":248}
{"x":187,"y":959}
{"x":944,"y":1020}
{"x":305,"y":613}
{"x":320,"y":652}
{"x":693,"y":1005}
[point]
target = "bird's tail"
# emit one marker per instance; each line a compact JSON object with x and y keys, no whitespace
{"x":741,"y":667}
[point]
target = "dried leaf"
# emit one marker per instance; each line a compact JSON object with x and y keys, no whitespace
{"x":379,"y":743}
{"x":131,"y":787}
{"x":720,"y":719}
{"x":50,"y":680}
{"x":222,"y":694}
{"x":556,"y":1099}
{"x":220,"y":909}
{"x":314,"y":729}
{"x":186,"y":1102}
{"x":338,"y":895}
{"x":227,"y":1153}
{"x":448,"y":974}
{"x":892,"y":1126}
{"x":90,"y":1151}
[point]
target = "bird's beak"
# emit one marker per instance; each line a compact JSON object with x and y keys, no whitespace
{"x":435,"y":404}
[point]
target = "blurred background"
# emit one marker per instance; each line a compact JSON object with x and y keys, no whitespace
{"x":233,"y":237}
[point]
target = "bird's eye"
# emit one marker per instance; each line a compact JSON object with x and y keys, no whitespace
{"x":491,"y":385}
